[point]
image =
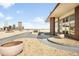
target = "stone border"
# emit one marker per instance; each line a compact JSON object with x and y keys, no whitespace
{"x":66,"y":47}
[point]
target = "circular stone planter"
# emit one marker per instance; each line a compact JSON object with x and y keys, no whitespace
{"x":11,"y":48}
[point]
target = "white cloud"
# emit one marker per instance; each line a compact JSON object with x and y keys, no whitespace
{"x":18,"y":12}
{"x":39,"y":23}
{"x":8,"y":18}
{"x":36,"y":23}
{"x":28,"y":25}
{"x":6,"y":5}
{"x":1,"y":25}
{"x":38,"y":19}
{"x":2,"y":15}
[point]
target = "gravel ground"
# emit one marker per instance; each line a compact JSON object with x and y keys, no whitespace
{"x":34,"y":47}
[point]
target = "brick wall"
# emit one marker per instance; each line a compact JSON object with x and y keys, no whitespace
{"x":77,"y":22}
{"x":52,"y":25}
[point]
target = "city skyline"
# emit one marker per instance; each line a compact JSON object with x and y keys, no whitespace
{"x":32,"y":15}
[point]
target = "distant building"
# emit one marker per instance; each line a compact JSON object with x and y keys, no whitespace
{"x":9,"y":28}
{"x":20,"y":26}
{"x":5,"y":28}
{"x":14,"y":27}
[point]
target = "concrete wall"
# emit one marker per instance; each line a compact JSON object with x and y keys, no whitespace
{"x":68,"y":13}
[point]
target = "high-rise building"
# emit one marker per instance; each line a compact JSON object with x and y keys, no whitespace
{"x":20,"y":27}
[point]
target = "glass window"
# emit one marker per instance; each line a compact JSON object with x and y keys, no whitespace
{"x":67,"y":25}
{"x":72,"y":24}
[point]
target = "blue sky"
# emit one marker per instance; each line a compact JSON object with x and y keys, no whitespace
{"x":33,"y":15}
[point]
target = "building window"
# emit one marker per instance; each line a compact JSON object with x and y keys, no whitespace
{"x":72,"y":24}
{"x":67,"y":25}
